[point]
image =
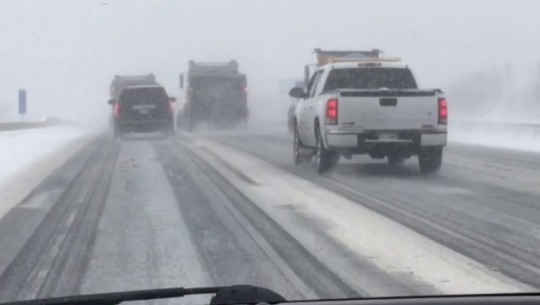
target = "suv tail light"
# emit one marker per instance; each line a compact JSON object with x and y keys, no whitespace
{"x":443,"y":111}
{"x":117,"y":110}
{"x":332,"y":111}
{"x":171,"y":108}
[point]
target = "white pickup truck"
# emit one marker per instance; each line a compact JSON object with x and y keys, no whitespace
{"x":369,"y":107}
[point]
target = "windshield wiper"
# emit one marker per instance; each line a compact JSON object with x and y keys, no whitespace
{"x":238,"y":294}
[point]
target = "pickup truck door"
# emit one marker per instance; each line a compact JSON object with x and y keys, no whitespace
{"x":309,"y":111}
{"x":303,"y":112}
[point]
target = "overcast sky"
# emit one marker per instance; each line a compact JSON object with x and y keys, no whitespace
{"x":65,"y":52}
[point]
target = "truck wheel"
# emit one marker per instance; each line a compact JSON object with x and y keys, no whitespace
{"x":118,"y":133}
{"x":395,"y":159}
{"x":297,"y":144}
{"x":170,"y":131}
{"x":334,"y":159}
{"x":376,"y":155}
{"x":243,"y":124}
{"x":324,"y":158}
{"x":430,"y":159}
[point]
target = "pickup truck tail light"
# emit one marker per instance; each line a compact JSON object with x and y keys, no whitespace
{"x":332,"y":111}
{"x":117,"y":110}
{"x":443,"y":111}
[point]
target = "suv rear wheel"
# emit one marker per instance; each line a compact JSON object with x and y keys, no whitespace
{"x":118,"y":132}
{"x":170,"y":131}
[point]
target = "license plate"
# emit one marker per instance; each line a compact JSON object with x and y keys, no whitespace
{"x":143,"y":111}
{"x":388,"y":136}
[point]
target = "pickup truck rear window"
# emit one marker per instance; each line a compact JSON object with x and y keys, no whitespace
{"x":370,"y":78}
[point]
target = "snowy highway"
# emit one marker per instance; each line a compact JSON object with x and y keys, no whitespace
{"x":247,"y":152}
{"x":230,"y":207}
{"x":222,"y":208}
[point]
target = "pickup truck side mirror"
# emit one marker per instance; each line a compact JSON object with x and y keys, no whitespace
{"x":112,"y":102}
{"x":297,"y":92}
{"x":172,"y":99}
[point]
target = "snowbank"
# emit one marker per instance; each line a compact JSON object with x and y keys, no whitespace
{"x":28,"y":156}
{"x":523,"y":136}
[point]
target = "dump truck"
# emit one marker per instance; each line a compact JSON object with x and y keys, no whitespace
{"x":121,"y":82}
{"x":216,"y":94}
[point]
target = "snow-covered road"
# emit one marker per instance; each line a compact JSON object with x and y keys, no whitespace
{"x":230,"y":208}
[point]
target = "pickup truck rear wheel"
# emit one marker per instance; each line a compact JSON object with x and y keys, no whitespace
{"x":324,"y":158}
{"x":430,"y":159}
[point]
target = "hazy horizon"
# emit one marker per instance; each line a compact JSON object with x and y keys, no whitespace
{"x":65,"y":53}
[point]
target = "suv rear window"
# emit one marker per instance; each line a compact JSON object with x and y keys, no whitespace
{"x":138,"y":96}
{"x":370,"y":78}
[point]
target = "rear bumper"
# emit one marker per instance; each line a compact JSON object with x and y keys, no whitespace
{"x":340,"y":139}
{"x":433,"y":139}
{"x":144,"y":125}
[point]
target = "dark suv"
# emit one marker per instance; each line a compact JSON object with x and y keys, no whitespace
{"x":143,"y":108}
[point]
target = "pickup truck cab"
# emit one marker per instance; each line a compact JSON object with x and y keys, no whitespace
{"x":369,"y":107}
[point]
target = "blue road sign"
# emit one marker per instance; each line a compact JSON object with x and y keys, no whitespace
{"x":22,"y":101}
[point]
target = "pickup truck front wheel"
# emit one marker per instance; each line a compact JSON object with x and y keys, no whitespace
{"x":430,"y":159}
{"x":296,"y":146}
{"x":324,"y":158}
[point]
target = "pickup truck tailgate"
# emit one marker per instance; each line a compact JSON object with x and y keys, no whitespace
{"x":387,"y":109}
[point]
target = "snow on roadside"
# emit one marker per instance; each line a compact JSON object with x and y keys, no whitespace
{"x":513,"y":140}
{"x":28,"y":156}
{"x":27,"y":120}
